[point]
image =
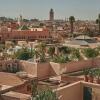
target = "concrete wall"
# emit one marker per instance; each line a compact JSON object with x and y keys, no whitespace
{"x":71,"y":92}
{"x":57,"y":68}
{"x":71,"y":78}
{"x":75,"y":91}
{"x":75,"y":66}
{"x":95,"y":89}
{"x":29,"y":67}
{"x":44,"y":70}
{"x":40,"y":70}
{"x":95,"y":94}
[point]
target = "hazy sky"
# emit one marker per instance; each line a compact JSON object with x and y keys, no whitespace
{"x":81,"y":9}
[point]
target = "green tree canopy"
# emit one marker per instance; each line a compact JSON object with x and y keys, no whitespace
{"x":90,"y":53}
{"x":51,"y":51}
{"x":64,"y":50}
{"x":24,"y":54}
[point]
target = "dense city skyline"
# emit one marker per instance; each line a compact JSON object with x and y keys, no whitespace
{"x":81,"y":9}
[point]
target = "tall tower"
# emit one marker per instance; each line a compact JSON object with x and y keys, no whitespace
{"x":51,"y":15}
{"x":20,"y":20}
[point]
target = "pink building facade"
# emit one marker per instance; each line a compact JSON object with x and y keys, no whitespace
{"x":24,"y":35}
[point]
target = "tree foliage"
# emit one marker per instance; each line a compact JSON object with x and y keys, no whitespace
{"x":60,"y":59}
{"x":90,"y":53}
{"x":51,"y":51}
{"x":24,"y":54}
{"x":64,"y":50}
{"x":75,"y":54}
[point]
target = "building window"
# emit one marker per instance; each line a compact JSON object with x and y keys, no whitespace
{"x":35,"y":29}
{"x":29,"y":88}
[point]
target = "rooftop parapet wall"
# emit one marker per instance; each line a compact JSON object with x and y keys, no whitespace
{"x":75,"y":91}
{"x":15,"y":96}
{"x":71,"y":92}
{"x":75,"y":66}
{"x":44,"y":70}
{"x":40,"y":70}
{"x":60,"y":68}
{"x":29,"y":67}
{"x":95,"y":89}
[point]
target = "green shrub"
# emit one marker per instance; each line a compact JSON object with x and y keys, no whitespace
{"x":51,"y":51}
{"x":24,"y":54}
{"x":60,"y":59}
{"x":75,"y":55}
{"x":64,"y":50}
{"x":90,"y":53}
{"x":46,"y":95}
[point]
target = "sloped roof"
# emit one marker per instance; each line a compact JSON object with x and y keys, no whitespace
{"x":78,"y":42}
{"x":82,"y":37}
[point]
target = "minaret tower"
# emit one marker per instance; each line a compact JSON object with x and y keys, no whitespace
{"x":20,"y":20}
{"x":51,"y":15}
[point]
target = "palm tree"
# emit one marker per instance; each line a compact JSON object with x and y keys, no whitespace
{"x":98,"y":22}
{"x":72,"y":20}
